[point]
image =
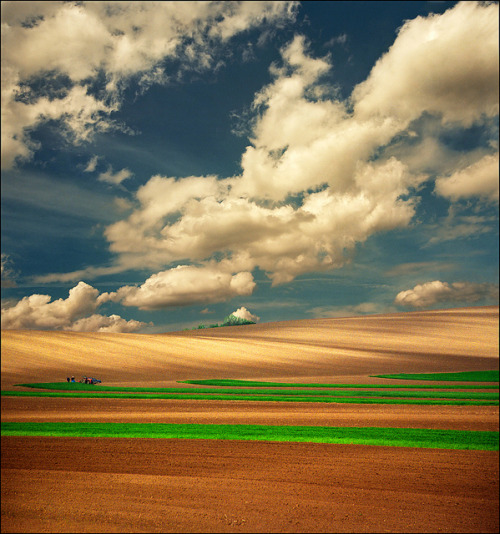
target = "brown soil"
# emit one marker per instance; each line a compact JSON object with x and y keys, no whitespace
{"x":250,"y":413}
{"x":155,"y":485}
{"x":148,"y":485}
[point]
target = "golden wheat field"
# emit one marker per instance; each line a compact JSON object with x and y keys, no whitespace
{"x":458,"y":339}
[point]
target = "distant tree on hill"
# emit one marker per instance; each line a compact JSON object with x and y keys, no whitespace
{"x":232,"y":320}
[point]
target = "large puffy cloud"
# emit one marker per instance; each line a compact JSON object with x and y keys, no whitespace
{"x":445,"y":64}
{"x":316,"y":179}
{"x":185,"y":285}
{"x":38,"y":312}
{"x":159,"y":199}
{"x":303,"y":147}
{"x":303,"y":139}
{"x":283,"y":240}
{"x":430,"y":293}
{"x":477,"y":180}
{"x":115,"y":40}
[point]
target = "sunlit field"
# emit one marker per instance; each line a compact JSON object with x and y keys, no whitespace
{"x":324,"y":413}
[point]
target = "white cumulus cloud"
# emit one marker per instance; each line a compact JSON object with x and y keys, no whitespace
{"x":185,"y":285}
{"x":481,"y":179}
{"x":102,"y":323}
{"x":445,"y":64}
{"x":316,"y":180}
{"x":40,"y":312}
{"x":345,"y":199}
{"x":122,"y":40}
{"x":243,"y":313}
{"x":430,"y":293}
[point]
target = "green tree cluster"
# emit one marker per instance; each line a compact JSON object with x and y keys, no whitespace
{"x":230,"y":320}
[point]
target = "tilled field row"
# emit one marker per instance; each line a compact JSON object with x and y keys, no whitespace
{"x":147,"y":485}
{"x":25,"y":409}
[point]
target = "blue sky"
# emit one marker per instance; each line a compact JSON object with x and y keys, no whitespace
{"x":165,"y":164}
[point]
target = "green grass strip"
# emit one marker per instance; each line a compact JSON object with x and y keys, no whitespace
{"x":259,"y":384}
{"x":242,"y":397}
{"x":469,"y":395}
{"x":467,"y":376}
{"x":395,"y":437}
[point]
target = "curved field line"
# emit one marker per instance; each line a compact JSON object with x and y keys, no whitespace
{"x":259,"y":384}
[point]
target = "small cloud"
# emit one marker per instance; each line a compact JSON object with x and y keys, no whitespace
{"x":436,"y":292}
{"x":91,"y":165}
{"x":248,"y":54}
{"x":101,"y":323}
{"x":339,"y":39}
{"x":243,"y":313}
{"x":477,"y":180}
{"x":38,"y":312}
{"x":116,"y":178}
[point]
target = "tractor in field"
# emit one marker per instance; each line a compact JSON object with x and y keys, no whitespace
{"x":89,"y":380}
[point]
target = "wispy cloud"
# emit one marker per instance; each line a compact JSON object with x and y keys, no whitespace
{"x":114,"y":178}
{"x":39,"y":190}
{"x":8,"y":272}
{"x":92,"y":164}
{"x":412,"y":268}
{"x":456,"y":226}
{"x":364,"y":308}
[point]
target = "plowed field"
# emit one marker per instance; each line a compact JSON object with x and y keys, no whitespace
{"x":52,"y":484}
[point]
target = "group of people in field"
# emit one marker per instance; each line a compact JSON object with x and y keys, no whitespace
{"x":84,"y":380}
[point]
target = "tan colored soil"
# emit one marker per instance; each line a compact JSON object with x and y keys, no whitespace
{"x":462,"y":339}
{"x":141,"y":485}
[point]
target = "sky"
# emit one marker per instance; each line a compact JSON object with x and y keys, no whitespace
{"x":166,"y":164}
